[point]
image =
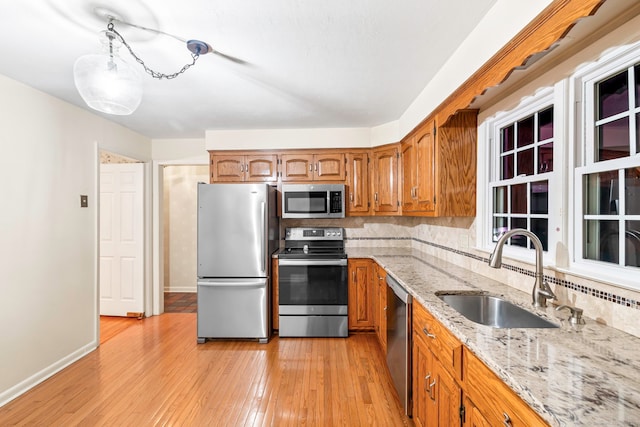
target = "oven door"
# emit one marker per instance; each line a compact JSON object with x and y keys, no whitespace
{"x":312,"y":286}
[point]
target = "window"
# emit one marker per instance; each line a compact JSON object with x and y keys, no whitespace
{"x":608,"y":181}
{"x":522,"y":166}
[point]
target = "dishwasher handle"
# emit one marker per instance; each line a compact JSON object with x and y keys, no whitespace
{"x":399,"y":290}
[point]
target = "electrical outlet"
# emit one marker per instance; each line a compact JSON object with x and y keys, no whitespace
{"x":84,"y":201}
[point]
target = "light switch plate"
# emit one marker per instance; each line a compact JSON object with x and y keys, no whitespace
{"x":84,"y":201}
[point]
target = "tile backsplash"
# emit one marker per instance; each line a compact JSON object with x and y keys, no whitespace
{"x":452,"y":239}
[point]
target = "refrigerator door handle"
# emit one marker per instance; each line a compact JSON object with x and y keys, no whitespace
{"x":222,"y":283}
{"x":263,"y":243}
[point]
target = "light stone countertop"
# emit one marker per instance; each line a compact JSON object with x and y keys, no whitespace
{"x":585,"y":376}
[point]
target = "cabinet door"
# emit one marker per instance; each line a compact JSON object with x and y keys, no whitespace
{"x":297,"y":167}
{"x":227,"y":168}
{"x":424,"y":194}
{"x":358,"y":184}
{"x":360,"y":295}
{"x":385,"y":184}
{"x":381,"y":305}
{"x":261,"y":168}
{"x":423,"y":408}
{"x":473,"y":417}
{"x":329,"y":167}
{"x":408,"y":184}
{"x":446,"y":396}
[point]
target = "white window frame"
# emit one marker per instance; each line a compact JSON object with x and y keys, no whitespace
{"x":489,"y":171}
{"x":583,"y":154}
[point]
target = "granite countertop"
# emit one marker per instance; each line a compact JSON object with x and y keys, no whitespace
{"x":587,"y":375}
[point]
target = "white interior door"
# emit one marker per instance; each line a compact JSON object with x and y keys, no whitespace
{"x":121,"y":239}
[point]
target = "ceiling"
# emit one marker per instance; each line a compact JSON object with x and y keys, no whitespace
{"x":307,"y":64}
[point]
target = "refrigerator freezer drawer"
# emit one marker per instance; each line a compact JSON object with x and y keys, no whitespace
{"x":233,"y":308}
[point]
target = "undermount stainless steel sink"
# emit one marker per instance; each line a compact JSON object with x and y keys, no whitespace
{"x":493,"y":311}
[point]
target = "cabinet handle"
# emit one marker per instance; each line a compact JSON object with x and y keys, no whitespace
{"x":351,"y":197}
{"x":507,"y":420}
{"x":431,"y":390}
{"x":246,"y":168}
{"x":241,"y":167}
{"x":310,"y":167}
{"x":316,"y":167}
{"x":354,"y":276}
{"x":426,"y":381}
{"x":427,"y":333}
{"x":375,"y":196}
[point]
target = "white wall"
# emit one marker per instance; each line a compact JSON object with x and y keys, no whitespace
{"x":48,"y":248}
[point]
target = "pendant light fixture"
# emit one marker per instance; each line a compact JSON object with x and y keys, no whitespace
{"x":108,"y":83}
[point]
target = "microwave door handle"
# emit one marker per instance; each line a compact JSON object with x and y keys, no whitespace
{"x":262,"y":235}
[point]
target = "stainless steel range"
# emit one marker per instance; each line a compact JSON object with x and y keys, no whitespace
{"x":313,"y":287}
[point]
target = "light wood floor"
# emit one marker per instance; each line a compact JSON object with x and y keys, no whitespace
{"x":153,"y":373}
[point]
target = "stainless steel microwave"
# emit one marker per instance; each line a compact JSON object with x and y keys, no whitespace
{"x":312,"y":200}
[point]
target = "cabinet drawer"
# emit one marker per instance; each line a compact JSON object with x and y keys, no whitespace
{"x":441,"y":342}
{"x":497,"y":402}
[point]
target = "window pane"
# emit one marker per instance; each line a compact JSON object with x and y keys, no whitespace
{"x":506,"y":135}
{"x":525,"y":132}
{"x":545,"y":124}
{"x":500,"y":200}
{"x":613,"y":95}
{"x":601,"y":240}
{"x":519,"y":240}
{"x":519,"y":198}
{"x":637,"y":132}
{"x":507,"y":167}
{"x":540,"y":227}
{"x":499,"y":227}
{"x":601,"y":193}
{"x":540,"y":197}
{"x":632,"y":191}
{"x":613,"y":140}
{"x":636,"y":71}
{"x":632,"y":243}
{"x":545,"y":158}
{"x":525,"y":162}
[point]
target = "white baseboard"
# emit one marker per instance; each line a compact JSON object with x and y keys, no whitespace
{"x":26,"y":385}
{"x":188,"y":289}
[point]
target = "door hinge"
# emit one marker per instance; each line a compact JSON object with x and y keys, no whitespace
{"x":462,"y":414}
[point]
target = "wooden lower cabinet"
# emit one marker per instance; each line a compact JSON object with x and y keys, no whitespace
{"x":493,"y":399}
{"x":380,"y":306}
{"x":452,"y":387}
{"x":360,"y":294}
{"x":437,"y":397}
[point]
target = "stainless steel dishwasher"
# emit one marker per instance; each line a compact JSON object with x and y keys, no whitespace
{"x":399,"y":340}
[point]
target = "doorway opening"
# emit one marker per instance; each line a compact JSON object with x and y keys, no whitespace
{"x":179,"y":231}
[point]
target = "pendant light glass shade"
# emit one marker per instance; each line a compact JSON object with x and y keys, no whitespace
{"x":106,"y":82}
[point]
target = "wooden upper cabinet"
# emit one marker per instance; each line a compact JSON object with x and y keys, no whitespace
{"x":357,"y":181}
{"x":244,"y":168}
{"x":385,"y":180}
{"x":418,"y":170}
{"x":439,"y":168}
{"x":456,"y":165}
{"x":301,"y":167}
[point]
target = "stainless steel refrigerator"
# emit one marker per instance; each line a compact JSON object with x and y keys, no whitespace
{"x":238,"y":231}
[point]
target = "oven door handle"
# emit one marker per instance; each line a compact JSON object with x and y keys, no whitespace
{"x":312,"y":262}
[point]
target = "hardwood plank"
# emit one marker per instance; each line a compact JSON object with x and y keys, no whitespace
{"x":154,"y":373}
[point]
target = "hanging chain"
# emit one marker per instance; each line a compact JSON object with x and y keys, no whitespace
{"x":151,"y":72}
